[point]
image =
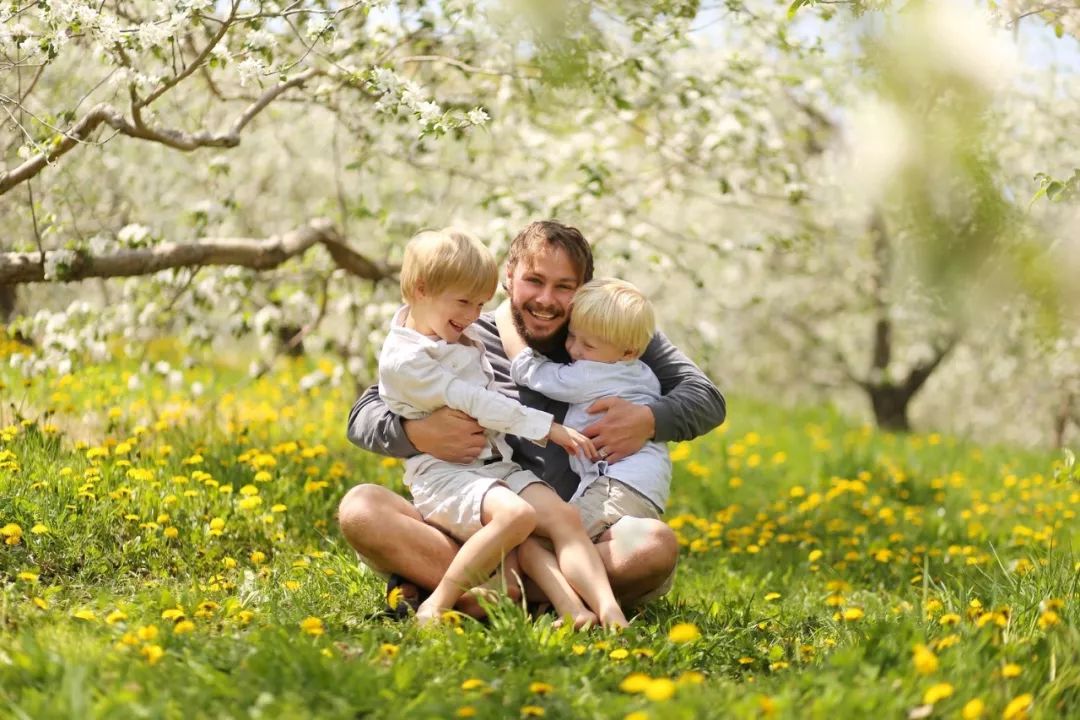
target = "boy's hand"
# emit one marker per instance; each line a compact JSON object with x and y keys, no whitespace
{"x":447,"y":434}
{"x":572,"y":441}
{"x":624,"y":428}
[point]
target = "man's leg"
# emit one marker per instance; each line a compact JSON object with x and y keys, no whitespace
{"x":640,"y":556}
{"x":394,"y":539}
{"x":392,"y":536}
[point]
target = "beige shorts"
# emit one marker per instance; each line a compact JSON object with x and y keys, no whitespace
{"x":604,"y":503}
{"x":450,"y":496}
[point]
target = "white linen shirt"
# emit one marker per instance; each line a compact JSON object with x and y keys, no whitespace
{"x":419,"y":374}
{"x":582,"y":382}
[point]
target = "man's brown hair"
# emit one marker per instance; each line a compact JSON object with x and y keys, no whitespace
{"x":549,"y":233}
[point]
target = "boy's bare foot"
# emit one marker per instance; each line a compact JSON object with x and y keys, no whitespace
{"x":582,"y":619}
{"x":428,"y":614}
{"x":613,"y":618}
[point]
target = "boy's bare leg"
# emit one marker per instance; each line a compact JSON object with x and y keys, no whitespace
{"x":542,"y":567}
{"x":393,"y":538}
{"x":578,"y":559}
{"x":507,"y":522}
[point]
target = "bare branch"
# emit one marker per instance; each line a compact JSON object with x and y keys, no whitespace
{"x":922,"y":371}
{"x":264,"y":254}
{"x":176,"y":139}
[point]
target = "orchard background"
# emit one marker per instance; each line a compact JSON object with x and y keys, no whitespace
{"x":864,"y":213}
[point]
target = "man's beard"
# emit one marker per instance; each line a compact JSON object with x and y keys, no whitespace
{"x":541,"y":344}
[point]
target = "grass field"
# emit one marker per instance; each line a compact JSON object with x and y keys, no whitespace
{"x":172,"y":555}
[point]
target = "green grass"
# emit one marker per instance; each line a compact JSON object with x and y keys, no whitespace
{"x":163,"y":555}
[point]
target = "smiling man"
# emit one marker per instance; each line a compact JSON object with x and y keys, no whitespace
{"x":547,"y":262}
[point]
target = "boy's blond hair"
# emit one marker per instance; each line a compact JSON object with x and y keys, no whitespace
{"x":447,"y":259}
{"x":616,"y":312}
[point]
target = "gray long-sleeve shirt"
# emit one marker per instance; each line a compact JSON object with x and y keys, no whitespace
{"x":691,"y":405}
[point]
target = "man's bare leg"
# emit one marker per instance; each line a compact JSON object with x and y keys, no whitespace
{"x":639,"y":554}
{"x":392,"y":536}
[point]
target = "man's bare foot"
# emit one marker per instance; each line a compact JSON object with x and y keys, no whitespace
{"x":582,"y":619}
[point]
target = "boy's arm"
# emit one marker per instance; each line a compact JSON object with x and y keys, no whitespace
{"x":508,"y":333}
{"x":447,"y":434}
{"x":565,"y":383}
{"x":421,"y":382}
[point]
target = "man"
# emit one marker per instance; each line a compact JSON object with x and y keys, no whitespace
{"x":546,"y":264}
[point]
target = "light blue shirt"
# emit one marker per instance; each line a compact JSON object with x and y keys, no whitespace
{"x":580,"y":383}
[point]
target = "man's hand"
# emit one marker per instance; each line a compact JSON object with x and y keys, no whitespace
{"x":449,"y":435}
{"x":623,"y":430}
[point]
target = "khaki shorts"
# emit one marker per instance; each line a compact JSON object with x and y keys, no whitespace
{"x":450,"y":497}
{"x":604,"y":503}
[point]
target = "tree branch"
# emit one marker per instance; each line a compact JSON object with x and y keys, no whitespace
{"x":265,"y":254}
{"x":176,"y":139}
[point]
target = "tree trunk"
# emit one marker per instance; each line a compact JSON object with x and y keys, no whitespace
{"x":890,"y":403}
{"x":7,"y":303}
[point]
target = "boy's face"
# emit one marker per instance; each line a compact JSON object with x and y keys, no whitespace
{"x":583,"y":346}
{"x":446,"y":314}
{"x":541,"y":287}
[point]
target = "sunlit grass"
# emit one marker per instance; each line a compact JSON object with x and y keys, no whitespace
{"x":168,"y":553}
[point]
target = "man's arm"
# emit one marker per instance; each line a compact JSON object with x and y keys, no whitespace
{"x":447,"y":434}
{"x":374,"y":428}
{"x":691,"y":405}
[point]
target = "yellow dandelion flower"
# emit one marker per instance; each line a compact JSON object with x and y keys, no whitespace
{"x":31,"y":577}
{"x":540,"y":688}
{"x":814,"y":555}
{"x":473,"y":684}
{"x":312,"y":626}
{"x":465,"y":711}
{"x":635,"y":683}
{"x":183,"y":627}
{"x":690,"y":677}
{"x":1010,"y":670}
{"x":171,"y":532}
{"x":115,"y":616}
{"x":925,"y":661}
{"x":1018,"y":707}
{"x":152,"y":653}
{"x":146,"y":633}
{"x":532,"y":711}
{"x":578,"y":649}
{"x":39,"y":529}
{"x":40,"y":603}
{"x":772,"y":596}
{"x":936,"y":693}
{"x":852,"y":614}
{"x":84,"y":614}
{"x":619,"y":654}
{"x":660,"y":689}
{"x":175,"y":613}
{"x":1048,"y":619}
{"x":388,"y":650}
{"x":949,"y":619}
{"x":973,"y":709}
{"x":637,"y":715}
{"x":746,"y":660}
{"x":278,"y":508}
{"x":684,"y":633}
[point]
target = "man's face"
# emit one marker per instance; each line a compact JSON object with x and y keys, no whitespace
{"x":541,"y":287}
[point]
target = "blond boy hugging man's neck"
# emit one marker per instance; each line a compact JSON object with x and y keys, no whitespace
{"x":429,"y":360}
{"x":611,"y":323}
